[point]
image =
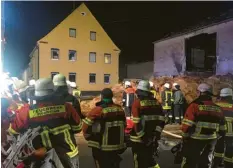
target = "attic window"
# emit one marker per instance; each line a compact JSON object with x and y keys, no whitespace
{"x":83,"y":13}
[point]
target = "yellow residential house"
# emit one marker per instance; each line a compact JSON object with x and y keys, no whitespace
{"x":80,"y":49}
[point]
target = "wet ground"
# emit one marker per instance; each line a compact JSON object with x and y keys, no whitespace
{"x":86,"y":161}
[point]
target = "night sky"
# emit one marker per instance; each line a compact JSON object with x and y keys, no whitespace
{"x":133,"y":26}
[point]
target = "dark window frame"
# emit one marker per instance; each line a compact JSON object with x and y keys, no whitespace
{"x":71,"y":74}
{"x":70,"y":29}
{"x":91,"y":36}
{"x":52,"y":74}
{"x":55,"y":49}
{"x":90,"y":57}
{"x":92,"y":74}
{"x":75,"y":55}
{"x":109,"y":77}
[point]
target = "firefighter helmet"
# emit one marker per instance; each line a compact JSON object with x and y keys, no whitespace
{"x":107,"y":93}
{"x":151,"y":84}
{"x":167,"y":85}
{"x":32,"y":82}
{"x":73,"y":84}
{"x":226,"y":92}
{"x":144,"y":85}
{"x":203,"y":87}
{"x":59,"y":80}
{"x":44,"y":87}
{"x":127,"y":83}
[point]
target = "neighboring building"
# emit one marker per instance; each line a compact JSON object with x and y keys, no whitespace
{"x":143,"y":70}
{"x":204,"y":49}
{"x":80,"y":49}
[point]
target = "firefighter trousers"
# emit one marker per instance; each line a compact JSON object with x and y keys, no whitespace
{"x":144,"y":155}
{"x":219,"y":153}
{"x":168,"y":115}
{"x":198,"y":153}
{"x":128,"y":111}
{"x":178,"y":113}
{"x":228,"y":158}
{"x":106,"y":159}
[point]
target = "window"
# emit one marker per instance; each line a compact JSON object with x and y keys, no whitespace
{"x":72,"y":77}
{"x":93,"y":36}
{"x":92,"y":57}
{"x":54,"y":54}
{"x":53,"y":74}
{"x":92,"y":78}
{"x":107,"y":58}
{"x":106,"y":78}
{"x":72,"y":33}
{"x":72,"y":55}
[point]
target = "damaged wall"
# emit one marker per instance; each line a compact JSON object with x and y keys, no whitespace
{"x":169,"y":54}
{"x":140,"y":70}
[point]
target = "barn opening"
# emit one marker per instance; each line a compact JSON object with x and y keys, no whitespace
{"x":201,"y":53}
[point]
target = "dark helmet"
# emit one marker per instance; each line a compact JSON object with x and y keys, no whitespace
{"x":107,"y":93}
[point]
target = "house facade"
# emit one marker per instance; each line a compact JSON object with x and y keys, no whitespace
{"x":205,"y":49}
{"x":80,"y":49}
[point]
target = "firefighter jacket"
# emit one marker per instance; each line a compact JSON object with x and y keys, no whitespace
{"x":167,"y":99}
{"x":154,"y":92}
{"x":68,"y":98}
{"x":104,"y":127}
{"x":148,"y":119}
{"x":59,"y":122}
{"x":178,"y":97}
{"x":227,"y":109}
{"x":203,"y":120}
{"x":128,"y":97}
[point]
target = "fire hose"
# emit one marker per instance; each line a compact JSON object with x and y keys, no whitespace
{"x":171,"y":134}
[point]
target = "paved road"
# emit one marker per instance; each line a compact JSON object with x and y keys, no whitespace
{"x":86,"y":161}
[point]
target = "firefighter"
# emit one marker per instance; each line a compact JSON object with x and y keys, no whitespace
{"x":226,"y":103}
{"x":149,"y":120}
{"x":153,"y":90}
{"x":178,"y":104}
{"x":201,"y":125}
{"x":128,"y":98}
{"x":61,"y":89}
{"x":103,"y":128}
{"x":59,"y":122}
{"x":167,"y":100}
{"x":75,"y":91}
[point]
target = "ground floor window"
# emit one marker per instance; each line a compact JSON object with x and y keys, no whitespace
{"x":72,"y":77}
{"x":92,"y":78}
{"x":53,"y":74}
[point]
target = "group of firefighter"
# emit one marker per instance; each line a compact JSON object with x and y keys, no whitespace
{"x":206,"y":126}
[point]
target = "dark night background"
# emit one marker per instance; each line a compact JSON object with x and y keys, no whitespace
{"x":133,"y":26}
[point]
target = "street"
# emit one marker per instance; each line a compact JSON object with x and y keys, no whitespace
{"x":86,"y":160}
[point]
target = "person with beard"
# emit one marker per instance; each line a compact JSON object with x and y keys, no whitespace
{"x":61,"y":90}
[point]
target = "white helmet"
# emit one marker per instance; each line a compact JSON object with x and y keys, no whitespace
{"x":167,"y":85}
{"x":151,"y":84}
{"x":73,"y":84}
{"x":226,"y":92}
{"x":32,"y":82}
{"x":68,"y":82}
{"x":204,"y":88}
{"x":44,"y":87}
{"x":127,"y":83}
{"x":175,"y":84}
{"x":144,"y":85}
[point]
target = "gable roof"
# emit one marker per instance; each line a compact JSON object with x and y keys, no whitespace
{"x":85,"y":9}
{"x":223,"y":18}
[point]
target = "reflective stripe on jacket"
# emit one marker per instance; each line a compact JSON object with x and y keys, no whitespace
{"x":58,"y":122}
{"x":203,"y":120}
{"x":148,"y":118}
{"x":167,"y":99}
{"x":228,"y":114}
{"x":104,"y":128}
